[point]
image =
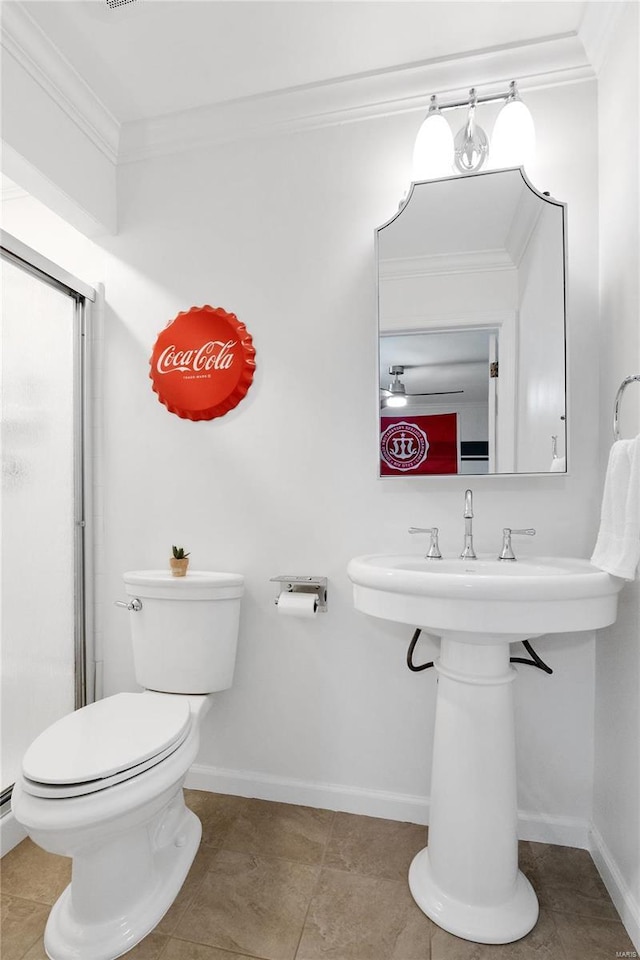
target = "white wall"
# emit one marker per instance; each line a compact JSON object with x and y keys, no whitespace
{"x":617,"y":731}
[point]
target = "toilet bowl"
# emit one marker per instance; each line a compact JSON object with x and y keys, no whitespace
{"x":104,"y":784}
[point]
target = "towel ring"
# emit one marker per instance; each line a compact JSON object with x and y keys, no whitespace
{"x":616,"y":410}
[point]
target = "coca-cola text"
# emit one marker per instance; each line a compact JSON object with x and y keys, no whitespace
{"x":214,"y":355}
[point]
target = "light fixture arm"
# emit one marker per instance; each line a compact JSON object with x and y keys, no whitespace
{"x":471,"y":116}
{"x":471,"y":145}
{"x":473,"y":99}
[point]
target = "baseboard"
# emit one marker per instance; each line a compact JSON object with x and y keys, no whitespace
{"x":547,"y":828}
{"x":623,"y":899}
{"x":11,"y":833}
{"x":327,"y":796}
{"x":565,"y":831}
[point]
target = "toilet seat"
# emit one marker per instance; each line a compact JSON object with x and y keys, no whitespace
{"x":105,"y":743}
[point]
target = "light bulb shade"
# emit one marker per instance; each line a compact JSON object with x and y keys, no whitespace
{"x":433,"y":150}
{"x":513,"y":142}
{"x":396,"y":400}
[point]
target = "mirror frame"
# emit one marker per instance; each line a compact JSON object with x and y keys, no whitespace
{"x":500,"y":318}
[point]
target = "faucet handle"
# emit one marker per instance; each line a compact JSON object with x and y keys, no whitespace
{"x":433,"y":553}
{"x":507,"y":550}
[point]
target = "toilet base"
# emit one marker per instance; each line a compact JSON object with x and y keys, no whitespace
{"x":68,"y":937}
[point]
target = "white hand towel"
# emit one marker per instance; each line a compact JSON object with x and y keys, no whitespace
{"x":617,"y":548}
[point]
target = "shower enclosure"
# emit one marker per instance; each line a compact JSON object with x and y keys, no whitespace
{"x":43,"y":504}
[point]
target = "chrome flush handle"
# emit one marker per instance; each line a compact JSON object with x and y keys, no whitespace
{"x":134,"y":605}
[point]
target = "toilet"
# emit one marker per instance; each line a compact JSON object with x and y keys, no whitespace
{"x":103,"y":785}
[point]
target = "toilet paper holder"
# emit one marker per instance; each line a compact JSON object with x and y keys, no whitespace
{"x":317,"y":585}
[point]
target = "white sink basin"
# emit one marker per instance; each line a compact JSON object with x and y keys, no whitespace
{"x":515,"y":599}
{"x":467,"y":879}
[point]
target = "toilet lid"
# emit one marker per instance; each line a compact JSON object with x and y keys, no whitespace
{"x":107,"y":738}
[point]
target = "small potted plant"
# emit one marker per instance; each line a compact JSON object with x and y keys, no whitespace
{"x":179,"y":562}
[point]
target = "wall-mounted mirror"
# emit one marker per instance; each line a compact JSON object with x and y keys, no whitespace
{"x":471,"y":326}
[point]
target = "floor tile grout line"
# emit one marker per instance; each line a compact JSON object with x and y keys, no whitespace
{"x":39,"y":903}
{"x":191,"y":898}
{"x":317,"y":883}
{"x":202,"y":943}
{"x":583,"y":916}
{"x":38,"y":936}
{"x":557,"y":933}
{"x":164,"y":947}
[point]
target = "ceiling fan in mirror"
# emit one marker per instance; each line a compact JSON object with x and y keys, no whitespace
{"x":395,"y":395}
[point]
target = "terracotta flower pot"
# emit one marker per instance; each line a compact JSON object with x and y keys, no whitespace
{"x":179,"y":567}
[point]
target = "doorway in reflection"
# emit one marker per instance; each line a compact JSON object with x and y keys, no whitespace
{"x":447,"y":373}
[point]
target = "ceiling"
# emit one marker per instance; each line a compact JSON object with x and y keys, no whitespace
{"x":151,"y":58}
{"x":438,"y":362}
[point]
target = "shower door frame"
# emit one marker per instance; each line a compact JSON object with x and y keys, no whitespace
{"x":84,"y":297}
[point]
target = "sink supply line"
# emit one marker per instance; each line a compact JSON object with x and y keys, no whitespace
{"x":534,"y":661}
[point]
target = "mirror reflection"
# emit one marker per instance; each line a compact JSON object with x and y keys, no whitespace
{"x":471,"y":314}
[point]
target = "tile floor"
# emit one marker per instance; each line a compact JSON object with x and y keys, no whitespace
{"x":280,"y":882}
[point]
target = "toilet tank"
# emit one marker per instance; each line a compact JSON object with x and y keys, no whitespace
{"x":185,"y":634}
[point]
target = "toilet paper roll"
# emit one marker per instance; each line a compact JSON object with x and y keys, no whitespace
{"x":297,"y":604}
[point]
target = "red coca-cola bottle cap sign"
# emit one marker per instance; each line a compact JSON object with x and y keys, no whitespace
{"x":202,"y":363}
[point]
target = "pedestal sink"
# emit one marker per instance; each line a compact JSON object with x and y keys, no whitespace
{"x":467,"y":879}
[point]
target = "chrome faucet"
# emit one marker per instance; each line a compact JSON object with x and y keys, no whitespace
{"x":468,"y":553}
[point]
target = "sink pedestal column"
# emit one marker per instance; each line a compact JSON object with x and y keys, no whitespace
{"x":467,"y":879}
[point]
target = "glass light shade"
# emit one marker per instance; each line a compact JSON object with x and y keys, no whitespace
{"x":433,"y":150}
{"x":513,"y":142}
{"x":398,"y":400}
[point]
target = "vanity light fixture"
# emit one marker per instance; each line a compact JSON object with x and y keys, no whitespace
{"x":436,"y":152}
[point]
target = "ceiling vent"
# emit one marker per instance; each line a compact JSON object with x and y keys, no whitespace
{"x":114,"y":4}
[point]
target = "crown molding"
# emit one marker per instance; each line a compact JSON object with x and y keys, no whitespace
{"x":11,"y":191}
{"x":22,"y":38}
{"x":598,"y":27}
{"x":445,"y":264}
{"x":548,"y":62}
{"x":443,"y":322}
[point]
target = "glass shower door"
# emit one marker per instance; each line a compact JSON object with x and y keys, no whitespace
{"x":39,"y":582}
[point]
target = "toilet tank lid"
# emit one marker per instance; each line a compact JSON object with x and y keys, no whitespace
{"x":196,"y":585}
